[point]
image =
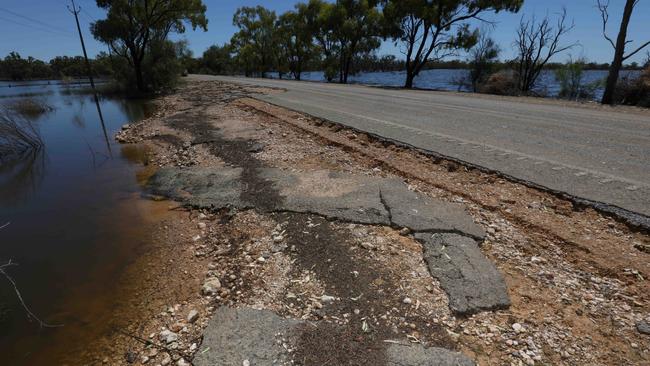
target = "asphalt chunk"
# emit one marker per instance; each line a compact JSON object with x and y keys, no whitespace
{"x":471,"y":281}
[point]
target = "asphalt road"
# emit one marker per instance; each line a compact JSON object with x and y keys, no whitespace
{"x":599,"y":154}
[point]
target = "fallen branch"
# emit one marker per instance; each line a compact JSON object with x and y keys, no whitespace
{"x":30,"y":314}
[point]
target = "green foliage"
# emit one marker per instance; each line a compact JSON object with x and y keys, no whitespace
{"x":294,"y":34}
{"x":254,"y":43}
{"x":217,"y":60}
{"x":138,"y":32}
{"x":14,"y":67}
{"x":570,"y":77}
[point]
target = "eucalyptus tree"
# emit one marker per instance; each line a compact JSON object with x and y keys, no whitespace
{"x":133,"y":29}
{"x":357,"y":28}
{"x":434,"y":29}
{"x":256,"y":39}
{"x":295,"y":33}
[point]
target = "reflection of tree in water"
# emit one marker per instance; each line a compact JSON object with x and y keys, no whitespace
{"x":22,"y":156}
{"x":135,"y":110}
{"x":21,"y":175}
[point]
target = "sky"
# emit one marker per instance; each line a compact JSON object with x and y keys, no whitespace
{"x":45,"y":28}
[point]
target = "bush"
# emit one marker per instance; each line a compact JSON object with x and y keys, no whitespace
{"x":570,"y":77}
{"x":501,"y":83}
{"x":634,"y":91}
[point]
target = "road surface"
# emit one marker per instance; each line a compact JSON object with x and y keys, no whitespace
{"x":595,"y":153}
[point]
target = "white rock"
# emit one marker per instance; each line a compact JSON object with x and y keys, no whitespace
{"x":192,"y":316}
{"x":407,"y":300}
{"x":202,"y":225}
{"x":144,"y":359}
{"x":518,"y":328}
{"x":246,"y":363}
{"x":211,"y":286}
{"x":182,"y":362}
{"x":168,"y":336}
{"x":327,"y":298}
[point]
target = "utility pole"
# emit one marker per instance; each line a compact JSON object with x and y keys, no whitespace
{"x":76,"y":12}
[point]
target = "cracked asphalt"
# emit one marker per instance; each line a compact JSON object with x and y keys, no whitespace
{"x":594,"y":153}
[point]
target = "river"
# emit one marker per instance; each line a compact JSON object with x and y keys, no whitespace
{"x":448,"y":79}
{"x":75,"y":221}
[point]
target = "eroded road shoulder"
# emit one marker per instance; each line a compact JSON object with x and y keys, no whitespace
{"x":317,"y":255}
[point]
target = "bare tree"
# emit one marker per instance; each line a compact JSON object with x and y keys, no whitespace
{"x":536,"y":43}
{"x":481,"y":59}
{"x":619,"y":47}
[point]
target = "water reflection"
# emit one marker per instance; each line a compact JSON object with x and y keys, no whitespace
{"x":21,"y":176}
{"x":70,"y":207}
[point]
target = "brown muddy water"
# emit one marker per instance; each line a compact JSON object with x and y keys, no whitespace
{"x":76,"y":221}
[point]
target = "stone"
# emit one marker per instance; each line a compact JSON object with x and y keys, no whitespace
{"x":327,"y":299}
{"x":643,"y":327}
{"x":211,"y":286}
{"x":168,"y":336}
{"x":201,"y":225}
{"x":470,"y":280}
{"x":518,"y":328}
{"x":182,"y":362}
{"x":407,"y":300}
{"x":192,"y":316}
{"x":166,"y":360}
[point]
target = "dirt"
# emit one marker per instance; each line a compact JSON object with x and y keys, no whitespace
{"x":576,"y":279}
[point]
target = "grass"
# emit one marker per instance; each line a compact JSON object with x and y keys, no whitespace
{"x":29,"y":107}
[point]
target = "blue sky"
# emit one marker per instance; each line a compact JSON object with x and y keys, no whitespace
{"x":50,"y":29}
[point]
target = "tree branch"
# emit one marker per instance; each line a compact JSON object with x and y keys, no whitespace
{"x":30,"y":314}
{"x":602,"y":7}
{"x":637,"y":50}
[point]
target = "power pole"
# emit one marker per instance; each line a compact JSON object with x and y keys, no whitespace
{"x":76,"y":12}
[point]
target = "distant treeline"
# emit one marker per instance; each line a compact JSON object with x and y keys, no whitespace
{"x":14,"y":67}
{"x":222,"y":60}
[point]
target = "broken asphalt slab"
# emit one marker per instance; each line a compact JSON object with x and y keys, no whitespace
{"x":447,"y":232}
{"x":471,"y":281}
{"x":261,"y":337}
{"x":337,"y":196}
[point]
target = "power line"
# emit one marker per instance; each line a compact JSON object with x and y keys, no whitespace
{"x":41,"y":23}
{"x":57,"y":33}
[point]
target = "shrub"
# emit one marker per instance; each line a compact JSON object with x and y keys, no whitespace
{"x":501,"y":83}
{"x":570,"y":77}
{"x":634,"y":91}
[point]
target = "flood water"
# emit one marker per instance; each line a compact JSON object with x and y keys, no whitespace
{"x":449,"y":79}
{"x":76,"y":221}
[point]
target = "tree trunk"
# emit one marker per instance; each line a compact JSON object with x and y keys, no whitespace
{"x":139,"y":79}
{"x":410,"y":75}
{"x":619,"y":55}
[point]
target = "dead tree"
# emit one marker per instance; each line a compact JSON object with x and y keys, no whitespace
{"x":619,"y":47}
{"x":536,"y":44}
